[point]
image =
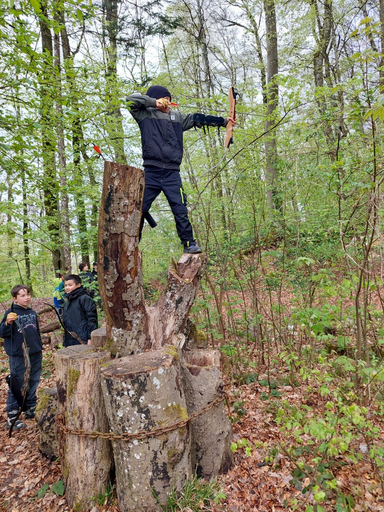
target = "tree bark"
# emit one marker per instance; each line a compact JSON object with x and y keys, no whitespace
{"x":87,"y":461}
{"x":119,"y":265}
{"x":114,"y":122}
{"x":272,"y":95}
{"x":168,"y":317}
{"x":211,"y":432}
{"x":64,"y":201}
{"x":46,"y":411}
{"x":142,"y":392}
{"x":48,"y":140}
{"x":381,"y":72}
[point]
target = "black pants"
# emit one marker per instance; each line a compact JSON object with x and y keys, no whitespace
{"x":169,"y":182}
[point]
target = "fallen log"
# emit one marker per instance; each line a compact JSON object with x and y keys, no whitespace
{"x":52,"y":326}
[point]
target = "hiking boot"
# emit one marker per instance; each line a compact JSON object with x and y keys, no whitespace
{"x":17,"y":426}
{"x":191,"y":248}
{"x":30,"y":413}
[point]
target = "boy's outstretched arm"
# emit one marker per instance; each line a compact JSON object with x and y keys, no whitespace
{"x":199,"y":120}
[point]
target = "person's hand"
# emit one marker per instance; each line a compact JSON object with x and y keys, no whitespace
{"x":233,"y":120}
{"x":163,"y":105}
{"x":11,"y":317}
{"x":89,"y":342}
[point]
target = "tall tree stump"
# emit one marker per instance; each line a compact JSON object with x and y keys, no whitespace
{"x":211,"y":432}
{"x":87,"y":461}
{"x":141,"y":393}
{"x":119,"y":265}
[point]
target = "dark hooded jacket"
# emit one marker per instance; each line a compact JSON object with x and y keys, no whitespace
{"x":13,"y":337}
{"x":162,"y":134}
{"x":79,"y":315}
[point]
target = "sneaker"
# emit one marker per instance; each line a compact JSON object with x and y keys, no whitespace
{"x":17,"y":426}
{"x":30,"y":413}
{"x":192,"y":248}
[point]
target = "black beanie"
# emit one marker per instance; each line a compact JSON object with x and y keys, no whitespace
{"x":158,"y":91}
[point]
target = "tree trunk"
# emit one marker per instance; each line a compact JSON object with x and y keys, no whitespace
{"x":46,"y":411}
{"x":87,"y":461}
{"x":272,"y":95}
{"x":64,"y":201}
{"x":211,"y":432}
{"x":114,"y":121}
{"x":48,"y":140}
{"x":142,"y":392}
{"x":77,"y":145}
{"x":381,"y":72}
{"x":119,"y":264}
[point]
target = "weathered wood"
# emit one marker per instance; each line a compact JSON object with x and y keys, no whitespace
{"x":167,"y":319}
{"x":87,"y":462}
{"x":62,"y":360}
{"x":52,"y":326}
{"x":46,"y":410}
{"x":99,"y":337}
{"x":45,"y":310}
{"x":142,"y":392}
{"x":119,"y":266}
{"x":56,"y":339}
{"x":212,"y":431}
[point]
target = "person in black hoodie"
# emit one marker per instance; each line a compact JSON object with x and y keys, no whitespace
{"x":79,"y":312}
{"x":162,"y":147}
{"x":21,"y":314}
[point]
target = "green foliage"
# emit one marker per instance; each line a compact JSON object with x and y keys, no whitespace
{"x":105,"y":498}
{"x":242,"y":443}
{"x":57,"y":488}
{"x":197,"y":495}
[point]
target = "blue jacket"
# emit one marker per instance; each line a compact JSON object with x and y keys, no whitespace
{"x":162,"y":134}
{"x":13,"y":338}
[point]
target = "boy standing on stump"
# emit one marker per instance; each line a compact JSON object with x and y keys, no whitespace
{"x":19,"y":321}
{"x":162,"y":145}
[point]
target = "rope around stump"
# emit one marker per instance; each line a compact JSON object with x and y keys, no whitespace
{"x":141,"y":434}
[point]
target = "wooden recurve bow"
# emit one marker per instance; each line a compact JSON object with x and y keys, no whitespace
{"x":232,"y":113}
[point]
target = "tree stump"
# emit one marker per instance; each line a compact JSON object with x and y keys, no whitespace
{"x":143,"y":392}
{"x":99,"y":337}
{"x":211,"y":432}
{"x":62,"y":361}
{"x":131,"y":325}
{"x":87,"y":461}
{"x":119,"y":265}
{"x":46,"y":411}
{"x":169,"y":316}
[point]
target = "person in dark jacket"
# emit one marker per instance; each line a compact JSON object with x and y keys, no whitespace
{"x":79,"y":312}
{"x":17,"y":318}
{"x":162,"y":147}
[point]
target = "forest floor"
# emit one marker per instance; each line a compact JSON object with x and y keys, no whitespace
{"x":261,"y":479}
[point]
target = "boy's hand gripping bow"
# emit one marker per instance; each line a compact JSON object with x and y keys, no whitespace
{"x":232,"y":113}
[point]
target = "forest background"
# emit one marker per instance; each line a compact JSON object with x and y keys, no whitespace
{"x":290,"y":215}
